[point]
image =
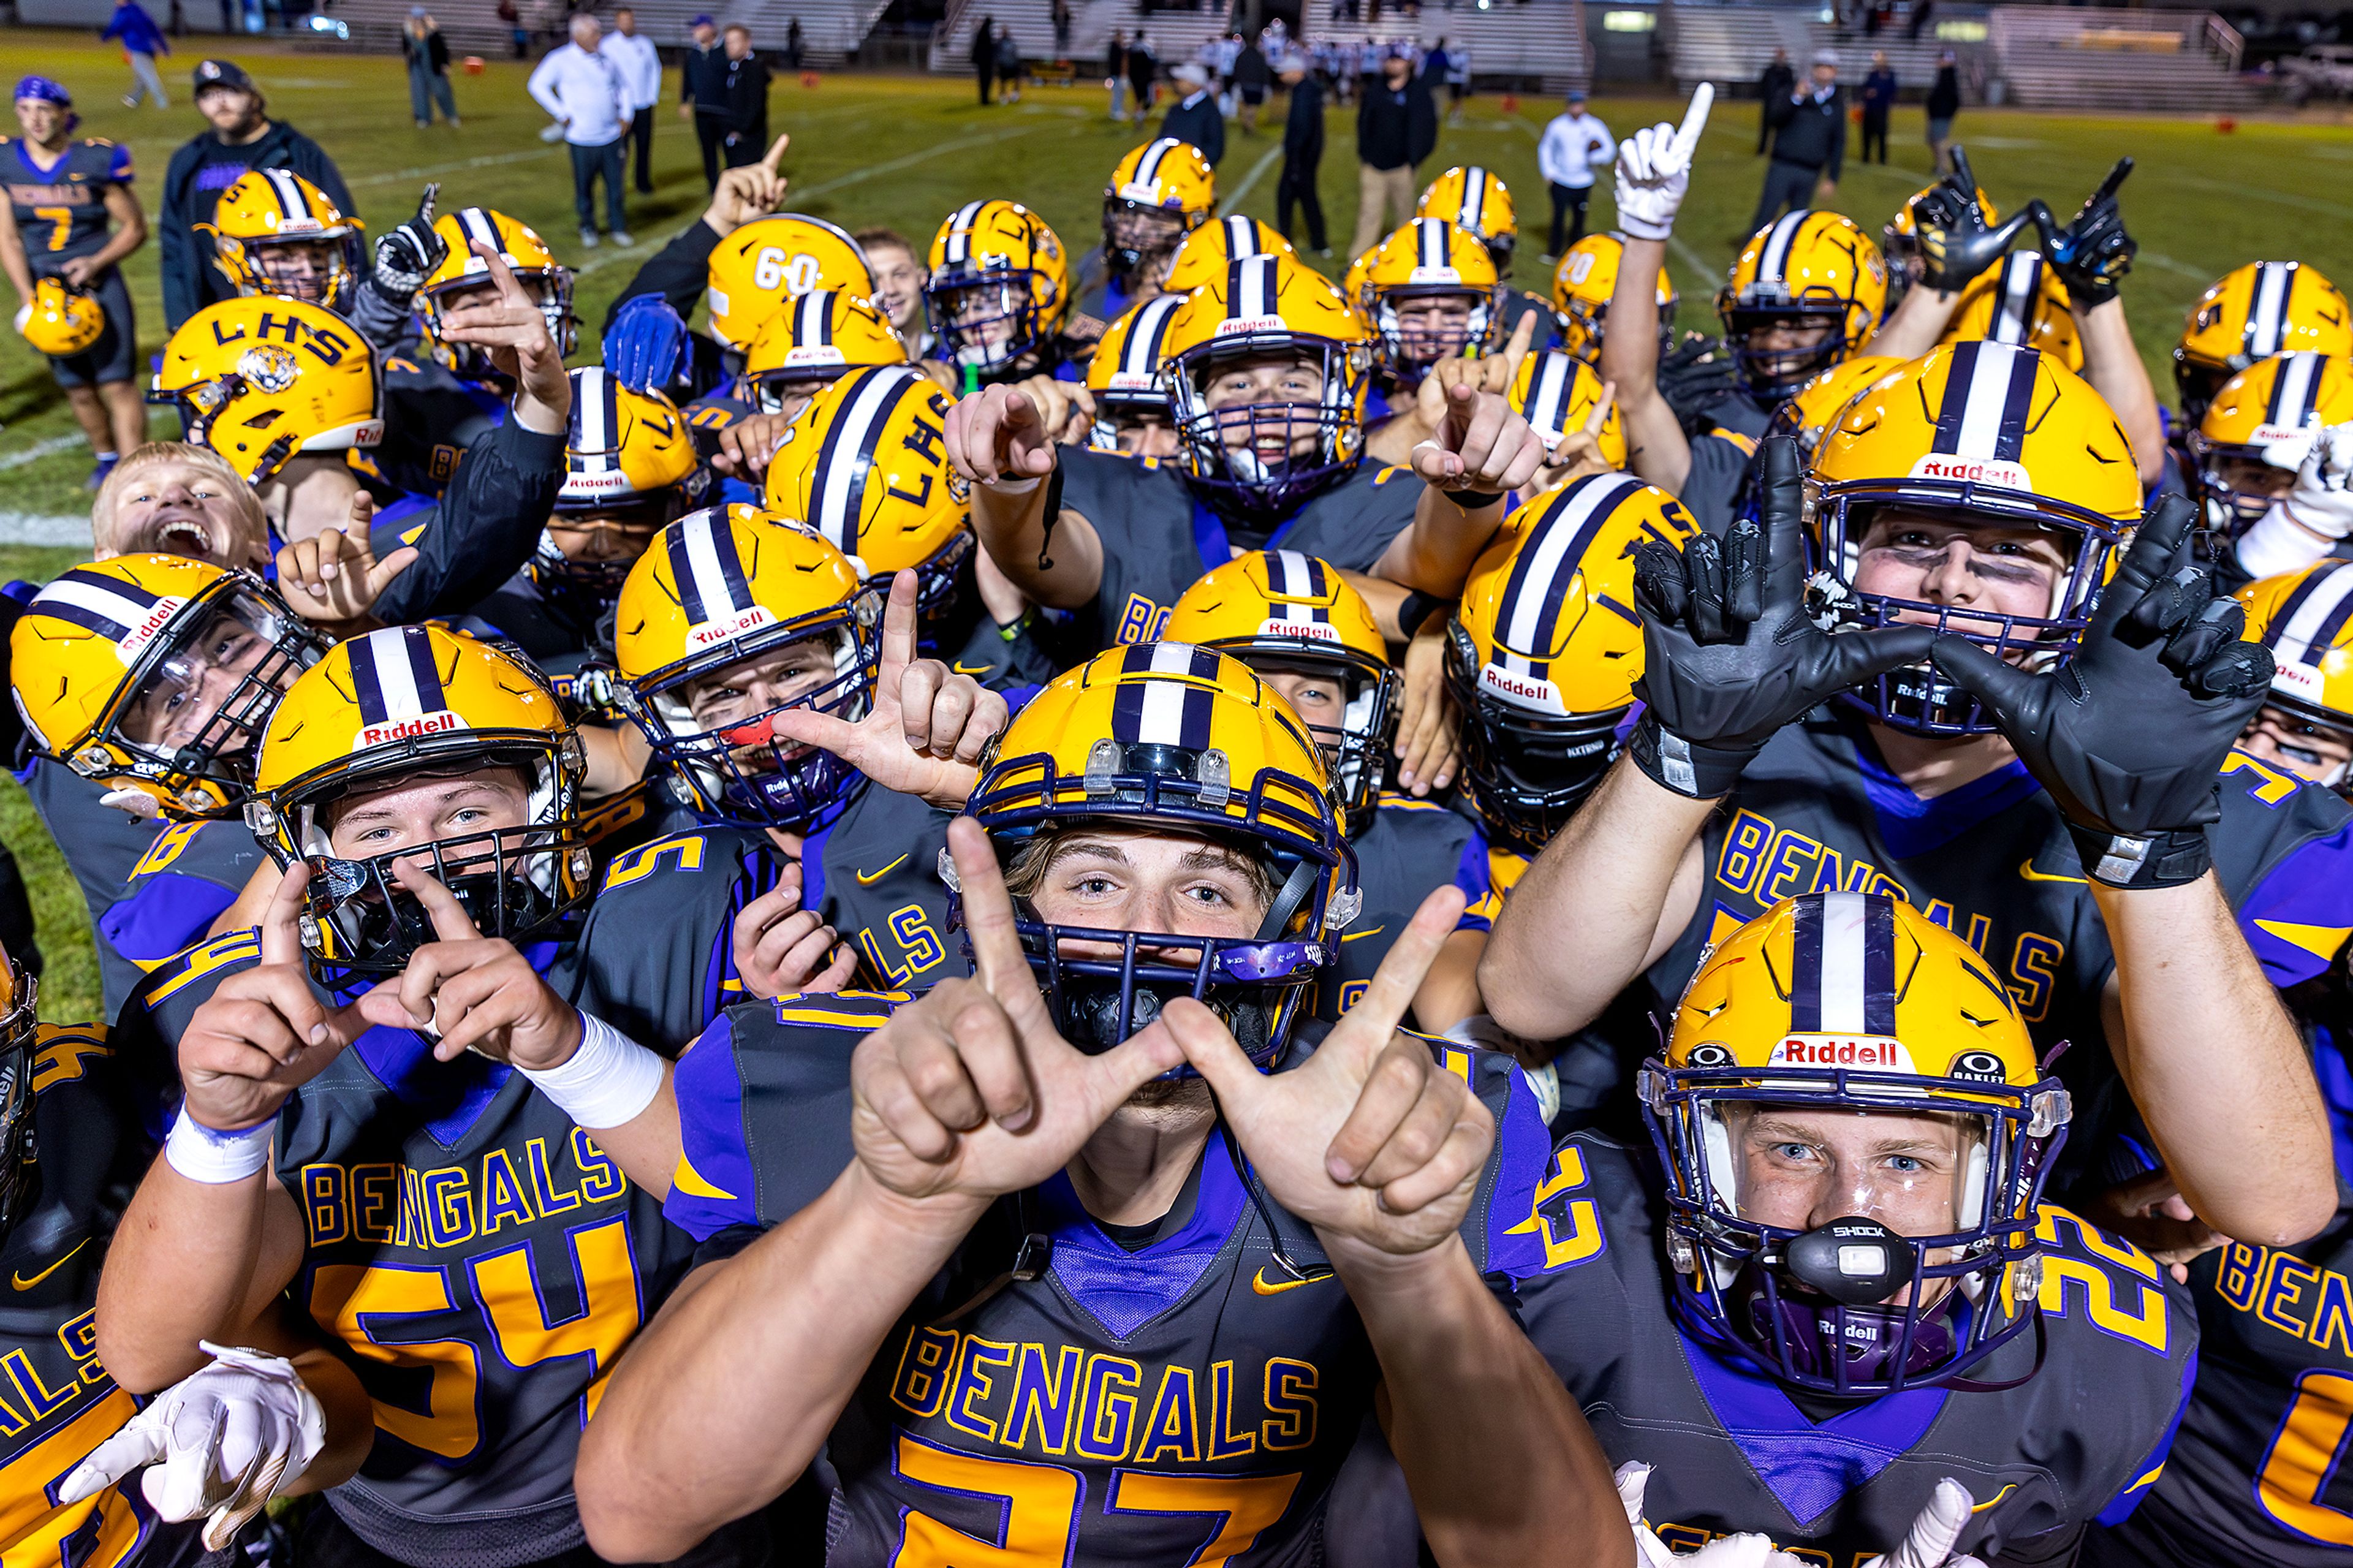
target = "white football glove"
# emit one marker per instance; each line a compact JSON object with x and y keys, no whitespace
{"x":2316,"y":512}
{"x":1745,"y":1550}
{"x":1929,"y":1543}
{"x":221,"y":1443}
{"x":1655,"y":170}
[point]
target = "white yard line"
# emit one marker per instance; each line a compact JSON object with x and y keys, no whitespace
{"x":1232,"y":200}
{"x":39,"y":449}
{"x":28,"y":528}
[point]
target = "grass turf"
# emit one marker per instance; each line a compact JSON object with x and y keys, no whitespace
{"x":904,"y":151}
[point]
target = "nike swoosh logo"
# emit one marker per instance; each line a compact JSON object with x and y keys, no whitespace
{"x":2026,"y":869}
{"x":975,"y":669}
{"x":867,"y":879}
{"x":1260,"y":1284}
{"x":21,"y":1283}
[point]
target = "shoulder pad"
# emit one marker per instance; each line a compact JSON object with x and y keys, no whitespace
{"x":2091,"y":1274}
{"x":699,"y":850}
{"x":63,"y":1052}
{"x":235,"y":950}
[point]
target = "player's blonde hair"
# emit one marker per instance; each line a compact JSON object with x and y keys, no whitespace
{"x":251,"y":524}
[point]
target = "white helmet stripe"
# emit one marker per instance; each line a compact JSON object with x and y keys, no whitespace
{"x":1845,"y":928}
{"x":1254,"y":287}
{"x":1429,"y":236}
{"x":2295,"y":389}
{"x":1560,"y":548}
{"x":1148,"y":168}
{"x":843,"y":476}
{"x":386,"y":654}
{"x":478,"y":225}
{"x":1241,"y":239}
{"x":1547,"y":410}
{"x":709,"y":579}
{"x":597,"y":407}
{"x":2321,"y":612}
{"x":1475,"y":196}
{"x":1997,"y":380}
{"x":2267,"y":312}
{"x":1140,"y":353}
{"x":289,"y":194}
{"x":97,"y":602}
{"x":2022,"y":285}
{"x":1769,"y":266}
{"x":958,"y":249}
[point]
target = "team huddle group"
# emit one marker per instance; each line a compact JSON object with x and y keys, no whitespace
{"x":1013,"y":908}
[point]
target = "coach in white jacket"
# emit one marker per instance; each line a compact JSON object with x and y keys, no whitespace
{"x":588,"y":93}
{"x":1573,"y":145}
{"x":641,"y":70}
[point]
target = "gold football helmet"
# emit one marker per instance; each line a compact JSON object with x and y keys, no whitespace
{"x":1430,"y":263}
{"x":865,"y":465}
{"x":1804,"y":273}
{"x":1209,"y":251}
{"x":1262,"y":450}
{"x":1474,"y":201}
{"x":1543,"y":652}
{"x":708,"y":641}
{"x":2022,"y":302}
{"x":1556,"y":393}
{"x":526,"y":255}
{"x":1126,"y":372}
{"x":629,"y":460}
{"x":275,"y":233}
{"x":65,"y":320}
{"x":2251,"y":313}
{"x":1581,"y":287}
{"x":2306,"y":618}
{"x":2006,"y":437}
{"x":772,"y":259}
{"x":1170,"y":738}
{"x":1289,"y":615}
{"x":808,"y":344}
{"x":420,"y":703}
{"x":260,"y":380}
{"x":2258,"y":430}
{"x":1816,"y":405}
{"x":156,"y":673}
{"x":1899,"y":240}
{"x":1159,"y":192}
{"x":1000,"y":289}
{"x":1825,"y":1008}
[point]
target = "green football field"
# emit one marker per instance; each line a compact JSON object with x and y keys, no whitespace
{"x":904,"y":150}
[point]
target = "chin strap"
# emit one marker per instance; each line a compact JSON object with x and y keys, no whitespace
{"x":1295,"y":891}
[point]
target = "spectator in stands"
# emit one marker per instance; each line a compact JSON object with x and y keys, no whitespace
{"x":1944,"y":103}
{"x":744,"y":137}
{"x":512,"y":16}
{"x":1142,"y":68}
{"x":1922,"y":10}
{"x":1878,"y":100}
{"x":142,"y":41}
{"x":1302,"y":152}
{"x":428,"y":54}
{"x":1009,"y":66}
{"x":1115,"y":74}
{"x":587,"y":93}
{"x":242,"y":138}
{"x":1193,"y":118}
{"x":1252,"y":77}
{"x":796,"y":45}
{"x":702,"y":93}
{"x":1061,"y":30}
{"x":1575,"y":144}
{"x":984,"y":55}
{"x":1809,"y":143}
{"x":1396,"y":127}
{"x":1773,"y":85}
{"x":641,"y":70}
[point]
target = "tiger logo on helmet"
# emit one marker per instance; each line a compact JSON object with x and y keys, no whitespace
{"x":1826,"y":1008}
{"x":1259,"y":451}
{"x":865,"y":465}
{"x":1807,"y":290}
{"x":1556,"y":393}
{"x":809,"y":343}
{"x":2306,"y":618}
{"x":460,"y":274}
{"x":2258,"y":429}
{"x":630,"y":466}
{"x":1158,"y":193}
{"x":275,"y":233}
{"x":2251,"y":313}
{"x":772,"y":259}
{"x":157,"y":674}
{"x":1814,"y":407}
{"x":261,"y":380}
{"x":1479,"y":203}
{"x":397,"y":706}
{"x":1126,"y":375}
{"x":1183,"y":740}
{"x":733,"y":617}
{"x":62,"y":320}
{"x":1308,"y":633}
{"x":1000,"y":289}
{"x":1581,"y":287}
{"x":1544,"y":651}
{"x":1209,"y":252}
{"x":1994,"y":436}
{"x":2020,"y":301}
{"x":1431,"y":293}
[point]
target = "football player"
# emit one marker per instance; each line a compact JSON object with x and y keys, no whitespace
{"x":898,"y":270}
{"x":1477,"y":202}
{"x":1128,"y":386}
{"x":750,"y":659}
{"x":1852,"y":1130}
{"x":2305,"y":725}
{"x":1043,"y":1295}
{"x":1158,"y":193}
{"x":1431,"y":293}
{"x":274,"y":234}
{"x":1951,"y":782}
{"x":999,"y":298}
{"x":1307,"y":632}
{"x":1573,"y":413}
{"x":2251,"y":313}
{"x":2258,"y":428}
{"x":1582,"y":285}
{"x":55,"y":247}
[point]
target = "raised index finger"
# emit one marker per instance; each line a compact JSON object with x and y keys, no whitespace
{"x":501,"y":273}
{"x":897,"y":630}
{"x":1695,"y":119}
{"x":450,"y":921}
{"x":988,"y":915}
{"x":776,"y":153}
{"x":2116,"y":178}
{"x":281,"y":928}
{"x":1376,"y":1015}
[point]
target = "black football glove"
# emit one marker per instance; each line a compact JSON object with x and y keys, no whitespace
{"x":1729,"y":654}
{"x":2092,"y":253}
{"x":2129,"y":737}
{"x":1956,"y":244}
{"x":1694,"y":378}
{"x":406,"y":256}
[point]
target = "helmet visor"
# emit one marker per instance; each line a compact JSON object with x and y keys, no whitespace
{"x":200,"y":705}
{"x":316,"y":271}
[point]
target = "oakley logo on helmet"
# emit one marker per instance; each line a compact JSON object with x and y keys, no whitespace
{"x":711,"y":633}
{"x":440,"y":722}
{"x":1709,"y":1056}
{"x":1979,"y":1067}
{"x":1841,"y":1051}
{"x":1973,"y":470}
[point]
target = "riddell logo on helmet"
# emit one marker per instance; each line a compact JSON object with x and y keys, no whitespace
{"x":711,"y":633}
{"x":1434,"y":275}
{"x":1233,"y":324}
{"x":436,"y":723}
{"x":154,"y":621}
{"x":1973,"y":472}
{"x":815,"y":353}
{"x":1309,"y":631}
{"x":1841,"y":1051}
{"x":1523,"y":691}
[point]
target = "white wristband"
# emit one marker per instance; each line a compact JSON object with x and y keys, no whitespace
{"x":206,"y":1154}
{"x":609,"y":1081}
{"x":2278,"y":543}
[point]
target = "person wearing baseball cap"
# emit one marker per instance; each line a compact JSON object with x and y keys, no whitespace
{"x":241,"y":138}
{"x":1194,"y":117}
{"x":1808,"y":130}
{"x":702,"y":92}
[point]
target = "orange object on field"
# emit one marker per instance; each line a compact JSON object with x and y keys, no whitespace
{"x":2226,"y":125}
{"x":808,"y":79}
{"x":1511,"y":103}
{"x":473,"y":64}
